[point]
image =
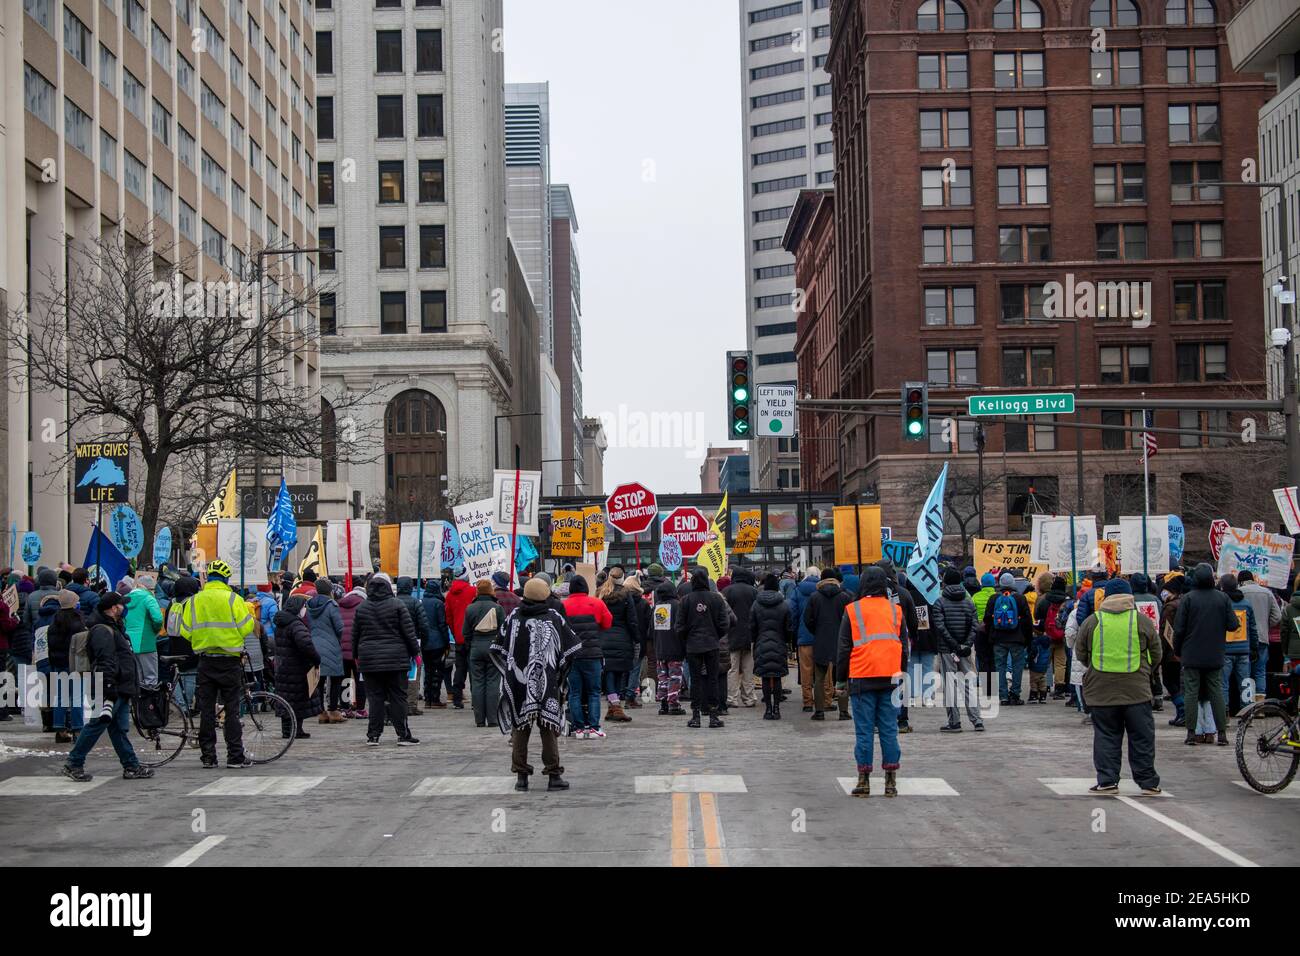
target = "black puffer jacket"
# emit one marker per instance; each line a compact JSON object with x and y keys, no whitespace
{"x":67,"y":622}
{"x":771,"y":629}
{"x":953,"y":620}
{"x":383,"y":636}
{"x":415,"y":608}
{"x":822,"y":617}
{"x":1204,"y":618}
{"x":295,"y":655}
{"x":619,"y":642}
{"x":705,"y":617}
{"x":669,"y":643}
{"x":110,"y":654}
{"x":740,"y":597}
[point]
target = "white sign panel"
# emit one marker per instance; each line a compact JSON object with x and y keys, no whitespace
{"x":253,"y":553}
{"x":484,"y":548}
{"x":1267,"y":556}
{"x":336,"y":547}
{"x":1131,"y":535}
{"x":1288,"y":505}
{"x":1050,"y":542}
{"x":775,"y":407}
{"x":503,"y":500}
{"x":410,"y":563}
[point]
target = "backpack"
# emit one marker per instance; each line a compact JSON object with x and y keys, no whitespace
{"x":1053,"y":627}
{"x":1006,"y":612}
{"x":487,"y":623}
{"x":79,"y":652}
{"x":174,"y":613}
{"x":152,"y":708}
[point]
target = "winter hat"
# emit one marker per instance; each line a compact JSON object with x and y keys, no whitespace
{"x":952,"y":576}
{"x":146,"y":580}
{"x":324,"y":586}
{"x":296,"y":605}
{"x":968,"y":571}
{"x":656,"y":570}
{"x":125,"y":586}
{"x":1116,"y":586}
{"x":536,"y":589}
{"x":68,"y":598}
{"x":1228,"y":582}
{"x":110,"y":599}
{"x":309,"y":575}
{"x":634,"y":584}
{"x":578,"y":585}
{"x":988,"y":581}
{"x":771,"y":582}
{"x":187,"y":585}
{"x":1007,"y":580}
{"x":1140,"y":582}
{"x":484,"y":587}
{"x":546,"y":577}
{"x":1244,"y":576}
{"x":500,"y":579}
{"x":47,"y":578}
{"x":1058,"y":583}
{"x":25,"y":586}
{"x":813,"y":573}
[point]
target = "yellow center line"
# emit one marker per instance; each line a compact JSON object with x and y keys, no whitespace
{"x":712,"y":829}
{"x":681,"y":855}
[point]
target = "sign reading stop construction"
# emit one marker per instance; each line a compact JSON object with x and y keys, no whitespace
{"x":689,"y":528}
{"x":632,"y":508}
{"x":775,"y":407}
{"x":1046,"y":403}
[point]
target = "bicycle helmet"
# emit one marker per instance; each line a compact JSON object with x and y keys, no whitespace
{"x":219,"y":569}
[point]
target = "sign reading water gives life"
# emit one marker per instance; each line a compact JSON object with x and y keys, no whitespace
{"x":1045,"y":403}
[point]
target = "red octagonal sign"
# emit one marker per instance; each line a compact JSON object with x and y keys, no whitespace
{"x":691,"y":529}
{"x":632,"y":508}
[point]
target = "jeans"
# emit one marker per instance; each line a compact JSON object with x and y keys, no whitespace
{"x":960,"y":685}
{"x":183,"y":690}
{"x":1204,"y":685}
{"x":1109,"y":725}
{"x":704,"y":680}
{"x":484,"y":681}
{"x":612,"y":683}
{"x":1013,"y":656}
{"x":740,"y":679}
{"x":918,"y":665}
{"x":874,"y":710}
{"x":584,"y":694}
{"x":220,"y":677}
{"x":386,"y":696}
{"x":1236,"y":667}
{"x":632,"y":683}
{"x":1259,"y":671}
{"x":67,"y":712}
{"x":119,"y":733}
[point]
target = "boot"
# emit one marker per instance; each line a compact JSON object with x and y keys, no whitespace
{"x":1223,"y":738}
{"x":767,"y":711}
{"x":863,"y":789}
{"x":695,"y":719}
{"x":891,"y":783}
{"x":663,"y":709}
{"x":325,"y":718}
{"x":556,"y":782}
{"x":634,"y":703}
{"x":676,"y":710}
{"x":776,"y":709}
{"x":336,"y":717}
{"x":1192,"y":739}
{"x":714,"y":722}
{"x":521,"y":781}
{"x":616,"y":714}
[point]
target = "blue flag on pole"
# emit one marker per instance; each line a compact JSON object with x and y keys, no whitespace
{"x":115,"y":565}
{"x":282,"y":528}
{"x":923,"y":568}
{"x":525,"y":552}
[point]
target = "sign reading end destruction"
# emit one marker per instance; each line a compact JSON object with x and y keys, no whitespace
{"x":100,"y":472}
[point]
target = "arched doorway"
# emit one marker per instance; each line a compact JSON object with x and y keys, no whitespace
{"x":415,"y":457}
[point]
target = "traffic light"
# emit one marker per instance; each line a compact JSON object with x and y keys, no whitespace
{"x":814,"y":523}
{"x":740,"y":395}
{"x":916,"y":411}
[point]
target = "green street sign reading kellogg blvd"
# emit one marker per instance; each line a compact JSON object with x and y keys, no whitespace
{"x":1046,"y":403}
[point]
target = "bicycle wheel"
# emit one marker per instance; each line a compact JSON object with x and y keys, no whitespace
{"x":1264,"y":757}
{"x":162,"y":745}
{"x":263,"y":723}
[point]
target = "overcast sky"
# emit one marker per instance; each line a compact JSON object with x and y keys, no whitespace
{"x":645,"y":128}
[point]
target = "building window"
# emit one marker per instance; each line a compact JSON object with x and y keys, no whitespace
{"x":185,"y":146}
{"x":38,"y":10}
{"x":1122,"y":240}
{"x":77,"y":128}
{"x":1022,"y":367}
{"x":392,"y":247}
{"x":1022,"y":185}
{"x":779,"y":155}
{"x":765,"y":245}
{"x":214,"y":110}
{"x":107,"y":69}
{"x":328,"y":313}
{"x":1010,"y":14}
{"x":1181,"y":13}
{"x":1198,"y":240}
{"x":162,"y":200}
{"x":107,"y":155}
{"x":1195,"y":182}
{"x":432,"y":181}
{"x":392,"y":313}
{"x":779,"y":185}
{"x":950,"y":305}
{"x":1019,"y":69}
{"x":133,"y":94}
{"x":391,"y":177}
{"x":428,"y":51}
{"x":1019,"y":436}
{"x":1192,"y":66}
{"x":773,"y":301}
{"x":76,"y":38}
{"x":185,"y":220}
{"x":774,"y":272}
{"x":938,"y":189}
{"x":1197,"y":362}
{"x":162,"y":124}
{"x":324,"y":53}
{"x":776,"y":13}
{"x":1020,"y":303}
{"x":775,"y":99}
{"x":1119,"y":183}
{"x":1203,"y":422}
{"x":213,"y":175}
{"x":945,"y":128}
{"x":771,"y":43}
{"x":325,"y":183}
{"x":776,"y":69}
{"x":429,"y":109}
{"x":780,"y":126}
{"x":388,"y":51}
{"x":778,"y":214}
{"x":324,"y":117}
{"x":1124,"y":365}
{"x":389,"y":109}
{"x":774,"y":328}
{"x":1113,"y":13}
{"x":948,"y":244}
{"x":946,"y":367}
{"x":1116,"y":124}
{"x":775,"y":358}
{"x":325,"y":237}
{"x":134,"y":18}
{"x":1024,"y":243}
{"x":161,"y":46}
{"x":433,"y":247}
{"x":1205,"y":129}
{"x":940,"y":15}
{"x":1203,"y":301}
{"x":948,"y":71}
{"x":433,"y":311}
{"x":1021,"y":127}
{"x":1117,"y":67}
{"x":214,"y":243}
{"x":1030,"y":496}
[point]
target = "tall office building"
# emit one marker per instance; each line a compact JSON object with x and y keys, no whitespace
{"x":412,"y":191}
{"x":787,"y":147}
{"x":193,"y":120}
{"x":566,"y":305}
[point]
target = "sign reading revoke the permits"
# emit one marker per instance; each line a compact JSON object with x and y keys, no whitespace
{"x":775,"y":406}
{"x":1044,"y":403}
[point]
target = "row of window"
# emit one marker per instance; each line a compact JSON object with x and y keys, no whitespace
{"x":1194,"y":300}
{"x":433,"y":247}
{"x":431,"y":179}
{"x":784,"y":10}
{"x":947,"y":245}
{"x":950,"y":15}
{"x":1035,"y":366}
{"x":392,"y":312}
{"x":388,"y":51}
{"x":1113,"y":183}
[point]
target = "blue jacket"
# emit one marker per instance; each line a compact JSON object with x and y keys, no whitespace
{"x":851,"y":583}
{"x":269,"y":607}
{"x":326,"y":624}
{"x":1251,"y":646}
{"x":435,"y":609}
{"x":798,"y":601}
{"x":1040,"y":653}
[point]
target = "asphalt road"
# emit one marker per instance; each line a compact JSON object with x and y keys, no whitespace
{"x":654,"y":792}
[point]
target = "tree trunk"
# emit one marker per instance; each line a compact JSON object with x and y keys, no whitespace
{"x":155,"y":468}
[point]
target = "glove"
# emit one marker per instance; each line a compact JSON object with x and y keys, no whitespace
{"x":964,"y":651}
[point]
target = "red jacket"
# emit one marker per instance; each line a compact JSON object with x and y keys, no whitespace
{"x":459,"y":596}
{"x":576,"y":605}
{"x":307,"y":588}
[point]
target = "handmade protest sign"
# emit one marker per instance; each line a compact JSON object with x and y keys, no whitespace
{"x":1267,"y":556}
{"x":485,"y":548}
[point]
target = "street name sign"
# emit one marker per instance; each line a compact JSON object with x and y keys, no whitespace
{"x":1045,"y":403}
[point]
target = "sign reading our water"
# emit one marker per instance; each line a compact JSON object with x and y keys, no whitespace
{"x":1046,"y":403}
{"x":31,"y":547}
{"x":126,"y":530}
{"x":100,"y":472}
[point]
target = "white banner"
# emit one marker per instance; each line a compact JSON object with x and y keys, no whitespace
{"x":1051,"y":542}
{"x":1157,"y":543}
{"x":409,"y":562}
{"x":1267,"y":556}
{"x":253,"y":554}
{"x":503,"y":500}
{"x":1289,"y":507}
{"x":484,"y":548}
{"x":336,"y":547}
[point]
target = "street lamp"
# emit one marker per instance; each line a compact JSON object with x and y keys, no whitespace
{"x":553,"y":461}
{"x":496,"y":438}
{"x":1078,"y":384}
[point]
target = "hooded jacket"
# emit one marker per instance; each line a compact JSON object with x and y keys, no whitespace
{"x":67,"y":622}
{"x":295,"y":655}
{"x":435,"y":612}
{"x":459,"y":596}
{"x":771,"y":630}
{"x":109,"y":650}
{"x":620,"y":639}
{"x":1204,"y":618}
{"x":803,"y":593}
{"x":705,"y":617}
{"x":588,"y":617}
{"x":1266,"y":608}
{"x":740,"y":597}
{"x":1111,"y":689}
{"x":414,"y":607}
{"x":383,"y":636}
{"x":348,"y":605}
{"x":953,"y":620}
{"x":1023,"y":633}
{"x":669,"y":645}
{"x":1238,"y":647}
{"x":480,"y":608}
{"x":142,"y":621}
{"x":325,"y":623}
{"x":822,"y":617}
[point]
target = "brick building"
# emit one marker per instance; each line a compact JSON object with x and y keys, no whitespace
{"x":985,"y":150}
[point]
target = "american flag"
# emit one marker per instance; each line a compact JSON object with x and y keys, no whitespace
{"x":1149,"y":444}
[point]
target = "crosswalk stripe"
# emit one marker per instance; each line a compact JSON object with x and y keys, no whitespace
{"x":279,"y":786}
{"x":463,"y":786}
{"x":196,"y":851}
{"x":1078,"y":787}
{"x":692,"y":783}
{"x":46,"y":786}
{"x":908,"y":786}
{"x":1284,"y":795}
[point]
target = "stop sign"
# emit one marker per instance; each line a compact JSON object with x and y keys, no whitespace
{"x":690,"y":529}
{"x":632,"y":508}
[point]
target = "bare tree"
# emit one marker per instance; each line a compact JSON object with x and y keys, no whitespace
{"x":964,"y":495}
{"x":178,"y":377}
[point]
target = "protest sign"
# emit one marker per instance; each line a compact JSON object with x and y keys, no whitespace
{"x":247,"y":557}
{"x":336,"y":538}
{"x":126,"y":530}
{"x":419,"y":550}
{"x":846,"y":534}
{"x":566,"y":534}
{"x":593,"y":520}
{"x":898,"y":553}
{"x":484,"y":547}
{"x":749,"y":527}
{"x":1109,"y":554}
{"x":1267,"y":556}
{"x":994,"y":557}
{"x":529,"y":496}
{"x":1051,"y":537}
{"x":389,"y":539}
{"x":1289,"y":508}
{"x":1135,"y":531}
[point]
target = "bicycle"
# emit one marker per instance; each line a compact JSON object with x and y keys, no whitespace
{"x":1269,"y":734}
{"x":161,"y":745}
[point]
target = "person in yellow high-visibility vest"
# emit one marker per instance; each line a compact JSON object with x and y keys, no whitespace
{"x":215,"y":622}
{"x":870,"y":665}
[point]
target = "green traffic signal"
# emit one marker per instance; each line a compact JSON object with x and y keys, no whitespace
{"x":741,"y":395}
